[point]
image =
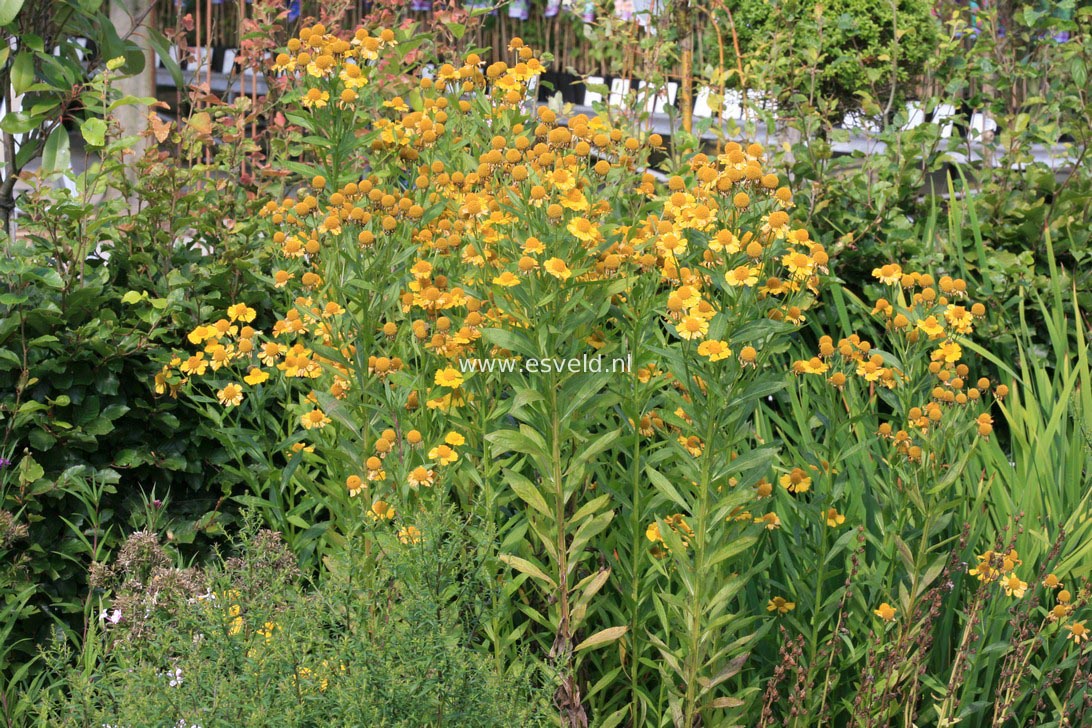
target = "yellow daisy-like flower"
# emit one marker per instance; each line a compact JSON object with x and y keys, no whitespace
{"x":692,"y":327}
{"x":397,"y":103}
{"x":796,"y":481}
{"x":1077,"y":632}
{"x":241,"y":312}
{"x":885,"y":612}
{"x":799,"y":265}
{"x":1014,"y":587}
{"x":354,"y":484}
{"x":454,"y":439}
{"x":959,"y":318}
{"x":315,"y":99}
{"x":381,"y":510}
{"x":558,"y":269}
{"x":533,"y":246}
{"x":889,"y":274}
{"x":583,"y":229}
{"x":931,"y":327}
{"x":421,"y":476}
{"x":770,"y":521}
{"x":315,"y":419}
{"x":409,"y":535}
{"x":834,"y":518}
{"x":949,"y":352}
{"x":443,"y":454}
{"x":506,"y":279}
{"x":780,"y":605}
{"x":256,"y":376}
{"x":714,"y":349}
{"x":196,"y":364}
{"x":744,"y":275}
{"x":199,"y":334}
{"x":815,"y":365}
{"x":230,"y":395}
{"x":449,"y":377}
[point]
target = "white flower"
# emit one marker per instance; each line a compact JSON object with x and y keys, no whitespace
{"x":113,"y":617}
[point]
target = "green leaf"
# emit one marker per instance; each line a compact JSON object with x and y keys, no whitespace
{"x":9,"y":9}
{"x":55,"y":155}
{"x":527,"y":491}
{"x":162,"y":46}
{"x":132,"y":297}
{"x":22,"y":72}
{"x":94,"y":132}
{"x":665,"y":487}
{"x":526,"y":567}
{"x":600,"y":638}
{"x":29,"y":470}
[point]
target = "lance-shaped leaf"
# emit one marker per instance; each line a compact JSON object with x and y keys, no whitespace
{"x":600,"y":638}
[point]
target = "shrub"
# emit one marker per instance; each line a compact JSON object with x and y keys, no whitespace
{"x":249,"y":641}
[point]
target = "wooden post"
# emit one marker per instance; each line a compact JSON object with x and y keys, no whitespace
{"x":129,"y":18}
{"x":686,"y":44}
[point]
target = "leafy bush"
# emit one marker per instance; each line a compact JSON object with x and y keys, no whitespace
{"x":248,"y":641}
{"x":844,"y":53}
{"x":94,"y":293}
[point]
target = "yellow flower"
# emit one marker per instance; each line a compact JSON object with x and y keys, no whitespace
{"x":315,"y":419}
{"x":533,"y":246}
{"x":256,"y":376}
{"x":583,"y":229}
{"x":506,"y":279}
{"x":199,"y":334}
{"x":714,"y":349}
{"x":381,"y":510}
{"x":771,"y":521}
{"x":454,"y":439}
{"x":558,"y":269}
{"x":796,"y":481}
{"x":799,"y":265}
{"x":780,"y":605}
{"x":949,"y":352}
{"x":1059,"y":612}
{"x":354,"y":484}
{"x":744,"y":275}
{"x":241,"y":312}
{"x":815,"y":365}
{"x":1014,"y":587}
{"x":1077,"y":632}
{"x":931,"y":327}
{"x":1051,"y":582}
{"x":885,"y":612}
{"x":230,"y":395}
{"x":834,"y":518}
{"x":959,"y":318}
{"x":449,"y":377}
{"x":444,"y":454}
{"x":692,"y":327}
{"x":890,"y":274}
{"x":315,"y":98}
{"x":196,"y":364}
{"x":409,"y":534}
{"x":421,"y":476}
